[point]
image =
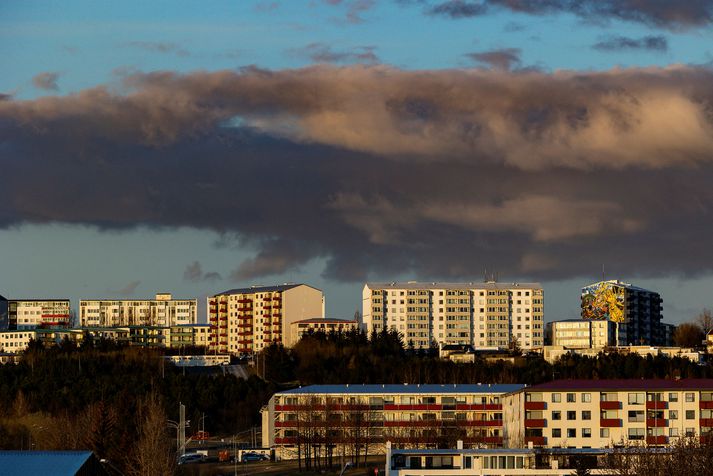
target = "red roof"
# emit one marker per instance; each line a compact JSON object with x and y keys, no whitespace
{"x":627,"y":384}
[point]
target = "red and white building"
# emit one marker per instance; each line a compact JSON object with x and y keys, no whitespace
{"x":33,"y":313}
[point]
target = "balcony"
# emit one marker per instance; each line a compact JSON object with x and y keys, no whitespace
{"x":493,"y":440}
{"x":536,"y":440}
{"x":707,"y":422}
{"x":244,"y":301}
{"x":656,"y":440}
{"x":610,"y":423}
{"x":610,"y":405}
{"x":245,"y":309}
{"x":535,"y":423}
{"x":656,"y":422}
{"x":706,"y":405}
{"x":535,"y":405}
{"x":656,"y":405}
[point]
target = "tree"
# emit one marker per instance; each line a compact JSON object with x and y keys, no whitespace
{"x":705,"y":321}
{"x":688,"y":335}
{"x":152,"y":453}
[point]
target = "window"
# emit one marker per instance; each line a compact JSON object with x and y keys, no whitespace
{"x":586,"y":397}
{"x":604,"y":433}
{"x":571,"y":433}
{"x":571,"y":398}
{"x":673,"y":414}
{"x":690,"y":397}
{"x":672,"y":397}
{"x":556,"y":433}
{"x":636,"y":433}
{"x":556,"y":398}
{"x":690,"y":432}
{"x":586,"y":415}
{"x":690,"y":414}
{"x":556,"y":415}
{"x":637,"y":398}
{"x":571,"y":415}
{"x":636,"y":415}
{"x":586,"y":432}
{"x":673,"y":432}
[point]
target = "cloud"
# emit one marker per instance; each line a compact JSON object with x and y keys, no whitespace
{"x":377,"y":172}
{"x":194,"y":273}
{"x":323,"y":53}
{"x":354,"y":8}
{"x":162,"y":47}
{"x":129,"y":289}
{"x":503,"y":59}
{"x":46,"y":81}
{"x":665,"y":14}
{"x":619,"y":43}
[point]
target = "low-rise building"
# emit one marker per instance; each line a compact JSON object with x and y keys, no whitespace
{"x":196,"y":335}
{"x":552,"y":353}
{"x":15,"y":342}
{"x":34,"y":313}
{"x":163,"y":311}
{"x":605,"y":413}
{"x":342,"y":416}
{"x":319,"y":324}
{"x":582,"y":334}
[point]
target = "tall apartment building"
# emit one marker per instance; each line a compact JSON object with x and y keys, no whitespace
{"x":484,"y":315}
{"x":582,"y":334}
{"x":636,"y":311}
{"x":33,"y":313}
{"x":605,"y":413}
{"x":343,"y":416}
{"x":247,"y":320}
{"x":4,"y":319}
{"x":163,"y":311}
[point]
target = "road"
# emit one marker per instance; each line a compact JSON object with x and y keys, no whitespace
{"x":269,"y":468}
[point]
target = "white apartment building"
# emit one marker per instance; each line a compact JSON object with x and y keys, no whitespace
{"x":484,"y":315}
{"x":247,"y":320}
{"x":163,"y":311}
{"x":33,"y":313}
{"x":606,"y":413}
{"x":318,"y":324}
{"x":405,"y":415}
{"x":14,"y":342}
{"x":582,"y":334}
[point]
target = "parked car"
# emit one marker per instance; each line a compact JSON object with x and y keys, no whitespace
{"x":248,"y":457}
{"x":189,"y":458}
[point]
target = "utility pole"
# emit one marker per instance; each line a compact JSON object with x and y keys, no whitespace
{"x":182,"y":425}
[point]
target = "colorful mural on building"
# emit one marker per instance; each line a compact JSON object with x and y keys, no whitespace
{"x":603,"y":301}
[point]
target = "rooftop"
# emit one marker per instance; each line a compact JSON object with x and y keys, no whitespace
{"x":626,"y":384}
{"x":619,"y":283}
{"x":404,"y":389}
{"x":457,"y":286}
{"x":325,"y":320}
{"x":31,"y":463}
{"x":264,"y":289}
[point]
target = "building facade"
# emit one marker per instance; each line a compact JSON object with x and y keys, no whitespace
{"x":484,"y":315}
{"x":636,"y":312}
{"x":607,"y":413}
{"x":163,"y":311}
{"x":246,"y":320}
{"x":15,"y":342}
{"x":33,"y":313}
{"x":582,"y":334}
{"x":347,"y":416}
{"x":327,"y":325}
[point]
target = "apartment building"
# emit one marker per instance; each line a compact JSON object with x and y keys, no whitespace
{"x":4,"y":320}
{"x":182,"y":335}
{"x":327,"y":325}
{"x":582,"y":334}
{"x":341,"y":416}
{"x":15,"y":342}
{"x":484,"y":315}
{"x":163,"y":311}
{"x":33,"y":313}
{"x":606,"y":413}
{"x":636,"y":312}
{"x":246,"y":320}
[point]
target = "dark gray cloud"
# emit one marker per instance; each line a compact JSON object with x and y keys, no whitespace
{"x":379,"y":171}
{"x":163,"y":47}
{"x":503,"y":59}
{"x":129,"y":289}
{"x":619,"y":43}
{"x":324,"y":53}
{"x":659,"y":13}
{"x":194,"y":273}
{"x":46,"y":81}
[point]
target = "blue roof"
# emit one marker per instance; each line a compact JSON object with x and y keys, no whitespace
{"x":412,"y":388}
{"x":40,"y":463}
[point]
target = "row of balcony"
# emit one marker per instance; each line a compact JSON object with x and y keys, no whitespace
{"x":393,"y":423}
{"x":611,"y":422}
{"x":491,"y":440}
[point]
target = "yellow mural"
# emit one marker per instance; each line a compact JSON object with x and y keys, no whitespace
{"x":603,"y":301}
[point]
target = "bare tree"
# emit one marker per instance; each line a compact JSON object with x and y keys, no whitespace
{"x":152,"y":454}
{"x":688,"y":335}
{"x":705,"y":321}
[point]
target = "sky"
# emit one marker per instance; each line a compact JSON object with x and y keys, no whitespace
{"x":193,"y":147}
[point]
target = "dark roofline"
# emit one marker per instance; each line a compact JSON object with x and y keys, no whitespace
{"x":265,"y":289}
{"x":332,"y":320}
{"x":39,"y":300}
